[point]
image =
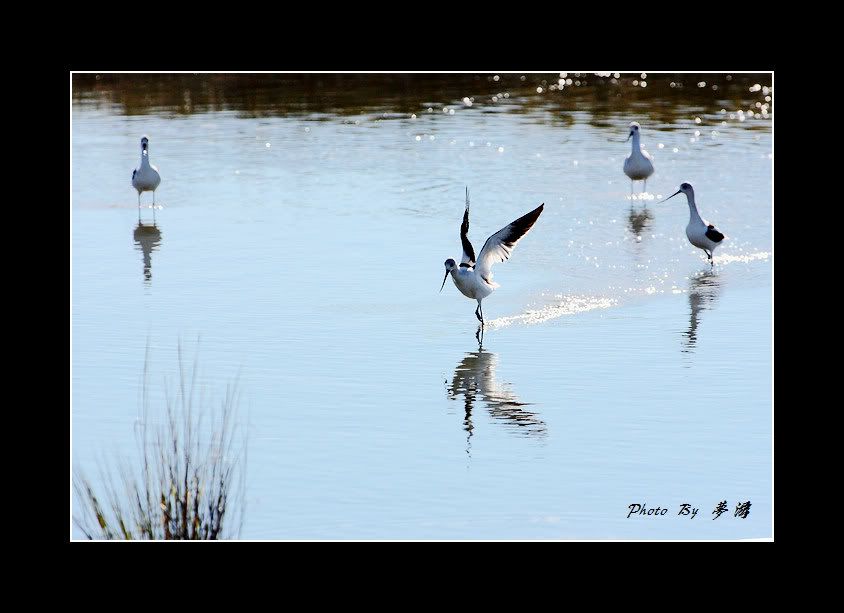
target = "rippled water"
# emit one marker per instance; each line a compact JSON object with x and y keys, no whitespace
{"x":301,"y":240}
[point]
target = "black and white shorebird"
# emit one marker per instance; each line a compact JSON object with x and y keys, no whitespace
{"x":145,"y":178}
{"x":700,"y":232}
{"x":639,"y":164}
{"x":473,"y":276}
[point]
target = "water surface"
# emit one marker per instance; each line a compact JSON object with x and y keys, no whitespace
{"x":304,"y":225}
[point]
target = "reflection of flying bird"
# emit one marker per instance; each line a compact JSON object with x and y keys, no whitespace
{"x":638,"y":165}
{"x":475,"y":376}
{"x":700,"y":233}
{"x":639,"y":220}
{"x":473,"y":277}
{"x":145,"y":178}
{"x":147,"y":238}
{"x":703,"y":291}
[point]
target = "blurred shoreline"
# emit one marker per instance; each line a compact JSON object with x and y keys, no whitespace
{"x":349,"y":94}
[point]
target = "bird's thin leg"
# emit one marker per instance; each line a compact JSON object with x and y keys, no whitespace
{"x":139,"y":207}
{"x":482,"y":314}
{"x":477,"y":313}
{"x":153,"y":207}
{"x":645,"y":188}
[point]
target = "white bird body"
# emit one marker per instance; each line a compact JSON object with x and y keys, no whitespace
{"x":696,"y":231}
{"x":639,"y":164}
{"x":145,"y":177}
{"x":473,"y":277}
{"x":700,"y":232}
{"x":471,"y":284}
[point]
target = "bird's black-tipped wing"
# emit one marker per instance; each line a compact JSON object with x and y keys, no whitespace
{"x":134,"y":172}
{"x":468,"y":252}
{"x":500,"y":245}
{"x":713,"y":234}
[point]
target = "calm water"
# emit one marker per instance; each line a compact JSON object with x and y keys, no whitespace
{"x":301,"y":242}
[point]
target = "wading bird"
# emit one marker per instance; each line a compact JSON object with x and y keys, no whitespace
{"x":145,"y":178}
{"x":639,"y":164}
{"x":700,"y":233}
{"x":473,"y":276}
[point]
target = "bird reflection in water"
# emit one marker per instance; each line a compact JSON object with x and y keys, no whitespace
{"x":703,"y":291}
{"x":147,"y":239}
{"x":474,"y":378}
{"x":639,"y":220}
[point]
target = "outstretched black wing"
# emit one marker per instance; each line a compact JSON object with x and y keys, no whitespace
{"x":468,"y":252}
{"x":500,"y":245}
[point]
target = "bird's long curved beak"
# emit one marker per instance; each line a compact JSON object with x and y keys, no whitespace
{"x":444,"y":279}
{"x":629,"y":136}
{"x":669,"y":197}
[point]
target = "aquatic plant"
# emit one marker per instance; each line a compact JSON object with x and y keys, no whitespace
{"x":190,"y":482}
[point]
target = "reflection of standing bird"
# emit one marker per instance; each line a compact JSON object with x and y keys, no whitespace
{"x":703,"y":290}
{"x":639,"y":220}
{"x":700,"y":233}
{"x":147,"y":238}
{"x":474,"y":278}
{"x":145,"y":178}
{"x":638,"y":165}
{"x":474,"y":376}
